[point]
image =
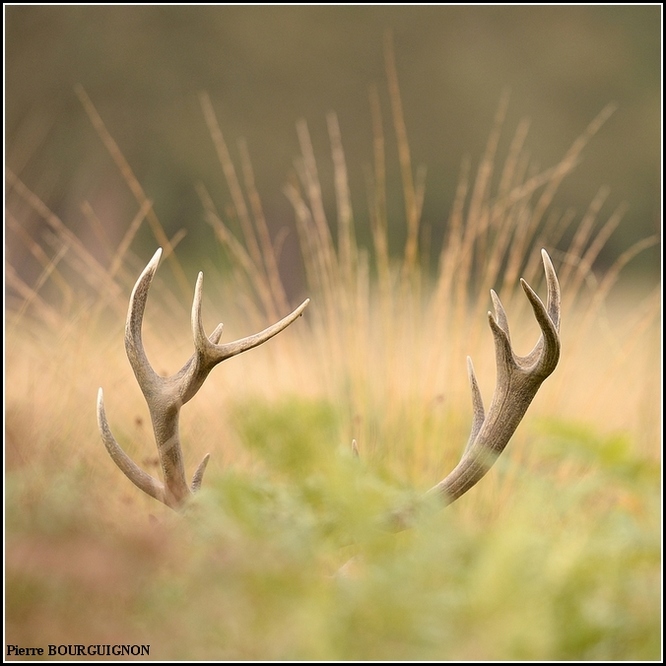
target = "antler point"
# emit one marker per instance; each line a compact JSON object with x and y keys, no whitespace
{"x":156,"y":257}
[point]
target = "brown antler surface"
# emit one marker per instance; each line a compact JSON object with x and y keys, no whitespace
{"x":518,"y":380}
{"x":166,"y":395}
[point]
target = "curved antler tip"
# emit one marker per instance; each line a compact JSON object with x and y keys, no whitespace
{"x":101,"y":412}
{"x":146,"y":279}
{"x":198,"y":332}
{"x":215,"y":336}
{"x":547,"y":261}
{"x":497,"y":304}
{"x":531,"y":294}
{"x":156,"y":257}
{"x":197,"y":479}
{"x":198,"y":288}
{"x":298,"y":312}
{"x":471,"y":375}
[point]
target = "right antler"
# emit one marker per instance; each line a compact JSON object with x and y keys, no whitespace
{"x":518,"y":380}
{"x":166,"y":395}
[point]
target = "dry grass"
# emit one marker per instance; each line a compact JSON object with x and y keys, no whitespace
{"x":379,"y":356}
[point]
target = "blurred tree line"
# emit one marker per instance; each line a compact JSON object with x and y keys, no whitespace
{"x":265,"y":67}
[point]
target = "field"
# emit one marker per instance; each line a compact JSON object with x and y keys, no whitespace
{"x":283,"y":554}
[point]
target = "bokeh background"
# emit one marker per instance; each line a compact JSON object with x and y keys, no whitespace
{"x":556,"y":554}
{"x":267,"y":67}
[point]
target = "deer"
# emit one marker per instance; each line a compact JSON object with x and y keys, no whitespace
{"x":518,"y":381}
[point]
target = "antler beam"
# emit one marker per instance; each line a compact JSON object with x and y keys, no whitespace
{"x":166,"y":395}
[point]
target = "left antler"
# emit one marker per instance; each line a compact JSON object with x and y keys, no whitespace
{"x":166,"y":395}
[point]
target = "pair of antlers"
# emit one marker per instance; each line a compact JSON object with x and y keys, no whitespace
{"x":518,"y":380}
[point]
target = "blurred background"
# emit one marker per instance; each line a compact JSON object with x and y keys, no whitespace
{"x":267,"y":67}
{"x":556,"y":555}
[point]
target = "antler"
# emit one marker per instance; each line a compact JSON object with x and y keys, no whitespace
{"x":166,"y":395}
{"x":518,"y":380}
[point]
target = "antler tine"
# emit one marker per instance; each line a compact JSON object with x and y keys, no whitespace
{"x":554,"y":296}
{"x":144,"y":373}
{"x":132,"y":471}
{"x":166,"y":395}
{"x":518,"y":380}
{"x":208,"y":353}
{"x":478,"y":411}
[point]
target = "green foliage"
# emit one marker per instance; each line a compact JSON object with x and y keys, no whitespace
{"x":612,"y":454}
{"x":314,"y":477}
{"x":296,"y":436}
{"x":295,"y":559}
{"x":289,"y":561}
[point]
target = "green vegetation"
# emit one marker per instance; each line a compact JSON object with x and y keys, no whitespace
{"x":288,"y":562}
{"x":555,"y":555}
